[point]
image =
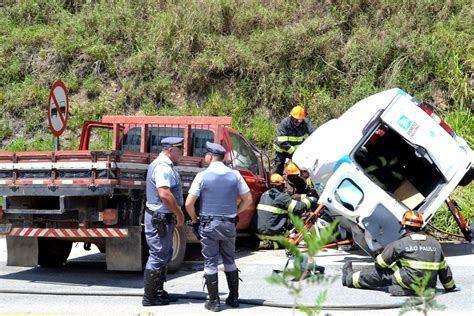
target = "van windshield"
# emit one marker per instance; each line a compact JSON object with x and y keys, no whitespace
{"x":400,"y":168}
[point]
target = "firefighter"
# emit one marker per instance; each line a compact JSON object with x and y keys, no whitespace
{"x":164,"y":198}
{"x":218,"y":188}
{"x":271,"y":219}
{"x":415,"y":254}
{"x":299,"y":182}
{"x":292,"y":131}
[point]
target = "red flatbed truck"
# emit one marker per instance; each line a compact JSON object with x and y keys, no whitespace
{"x":96,"y":195}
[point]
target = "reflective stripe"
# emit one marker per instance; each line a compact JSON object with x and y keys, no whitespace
{"x":355,"y":280}
{"x":449,"y":285}
{"x":302,"y":196}
{"x":443,"y":264}
{"x":425,"y":265}
{"x":383,"y":161}
{"x":291,"y":150}
{"x":307,"y":202}
{"x":398,"y":277}
{"x":393,"y":161}
{"x":394,"y":267}
{"x":381,"y":262}
{"x":278,"y":149}
{"x":372,"y":168}
{"x":291,"y":138}
{"x":417,"y":237}
{"x":272,"y":209}
{"x":292,"y":206}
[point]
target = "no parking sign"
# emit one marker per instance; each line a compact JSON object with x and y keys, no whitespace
{"x":58,"y":108}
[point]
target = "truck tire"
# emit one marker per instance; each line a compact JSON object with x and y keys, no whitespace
{"x":179,"y":249}
{"x":53,"y":252}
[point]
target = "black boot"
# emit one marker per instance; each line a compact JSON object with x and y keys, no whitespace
{"x":213,"y":304}
{"x":346,"y":271}
{"x":233,"y":283}
{"x":151,"y":280}
{"x":161,"y":292}
{"x":397,"y":290}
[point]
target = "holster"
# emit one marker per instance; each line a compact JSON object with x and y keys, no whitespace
{"x":160,"y":221}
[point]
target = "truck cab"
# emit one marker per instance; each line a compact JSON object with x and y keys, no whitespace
{"x":385,"y":155}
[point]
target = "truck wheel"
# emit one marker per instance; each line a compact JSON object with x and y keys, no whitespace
{"x":53,"y":252}
{"x":179,"y":249}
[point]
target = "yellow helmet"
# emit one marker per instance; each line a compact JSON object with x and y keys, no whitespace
{"x":412,"y":218}
{"x":297,"y":112}
{"x":276,"y":179}
{"x":291,"y":169}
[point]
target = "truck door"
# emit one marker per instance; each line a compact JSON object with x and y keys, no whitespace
{"x":350,"y":194}
{"x":244,"y":159}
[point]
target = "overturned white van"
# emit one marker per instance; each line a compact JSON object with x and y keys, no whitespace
{"x":385,"y":155}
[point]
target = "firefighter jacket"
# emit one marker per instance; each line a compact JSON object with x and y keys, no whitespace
{"x":272,"y":217}
{"x":290,"y":136}
{"x":416,"y":254}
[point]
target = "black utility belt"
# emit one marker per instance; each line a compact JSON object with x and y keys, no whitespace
{"x":210,"y":218}
{"x":157,"y":214}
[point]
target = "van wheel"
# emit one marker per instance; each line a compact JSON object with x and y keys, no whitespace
{"x":179,"y":249}
{"x":53,"y":252}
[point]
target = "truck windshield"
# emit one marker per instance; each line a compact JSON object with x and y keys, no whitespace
{"x":398,"y":167}
{"x":242,"y":154}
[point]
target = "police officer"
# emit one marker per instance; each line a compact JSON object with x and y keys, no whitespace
{"x":218,"y":188}
{"x":292,"y":131}
{"x":271,"y":219}
{"x":415,"y":254}
{"x":164,"y":196}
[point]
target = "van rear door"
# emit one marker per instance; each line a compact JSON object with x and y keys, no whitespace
{"x":413,"y":124}
{"x":351,"y":194}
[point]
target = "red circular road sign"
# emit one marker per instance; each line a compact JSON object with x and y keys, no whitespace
{"x":58,"y":108}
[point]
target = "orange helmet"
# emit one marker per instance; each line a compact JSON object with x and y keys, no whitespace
{"x":412,"y":218}
{"x":291,"y":169}
{"x":276,"y":179}
{"x":297,"y":112}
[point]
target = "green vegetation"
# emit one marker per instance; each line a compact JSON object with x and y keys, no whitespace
{"x":248,"y":59}
{"x":302,"y":271}
{"x":425,"y":299}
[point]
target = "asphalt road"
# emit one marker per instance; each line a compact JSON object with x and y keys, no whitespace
{"x":84,"y":286}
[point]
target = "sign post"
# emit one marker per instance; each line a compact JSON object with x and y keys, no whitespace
{"x":58,"y":110}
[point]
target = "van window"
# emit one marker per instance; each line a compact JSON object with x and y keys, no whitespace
{"x":393,"y":163}
{"x":242,"y":155}
{"x":349,"y":194}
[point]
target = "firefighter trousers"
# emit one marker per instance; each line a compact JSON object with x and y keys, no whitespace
{"x":370,"y":278}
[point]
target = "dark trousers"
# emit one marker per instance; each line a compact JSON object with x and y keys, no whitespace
{"x":161,"y":247}
{"x":218,"y":239}
{"x":370,"y":278}
{"x":280,"y":159}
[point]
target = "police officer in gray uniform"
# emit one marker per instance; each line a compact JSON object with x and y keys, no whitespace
{"x":164,"y":195}
{"x":218,"y":188}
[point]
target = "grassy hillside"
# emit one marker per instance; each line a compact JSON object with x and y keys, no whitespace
{"x":248,"y":59}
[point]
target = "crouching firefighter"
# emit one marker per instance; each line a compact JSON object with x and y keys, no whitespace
{"x":271,"y":219}
{"x":414,"y":254}
{"x":218,"y":188}
{"x":164,"y":195}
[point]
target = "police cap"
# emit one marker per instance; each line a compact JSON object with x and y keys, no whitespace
{"x":169,"y":142}
{"x":215,"y":149}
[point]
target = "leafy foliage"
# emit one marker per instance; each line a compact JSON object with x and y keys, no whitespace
{"x":293,"y":277}
{"x":424,"y":301}
{"x":248,"y":59}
